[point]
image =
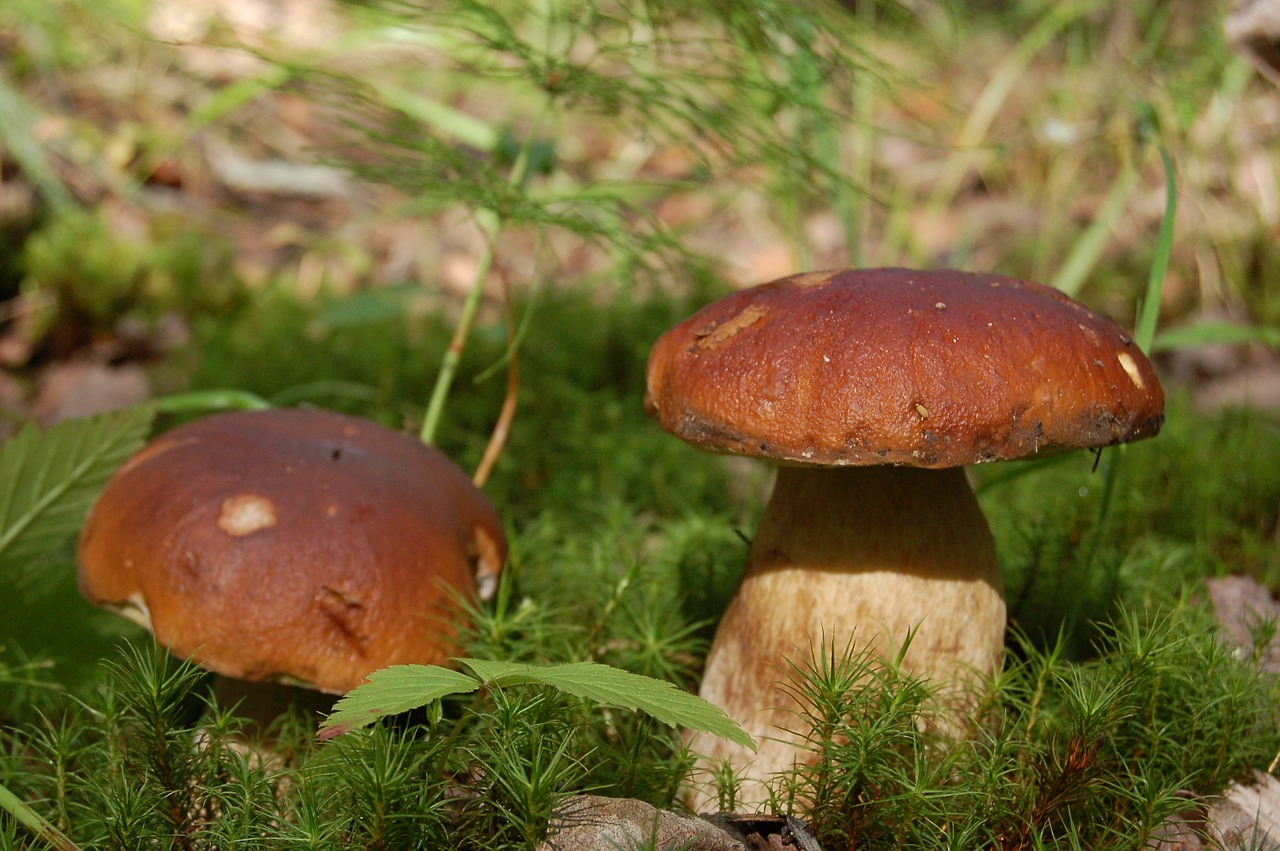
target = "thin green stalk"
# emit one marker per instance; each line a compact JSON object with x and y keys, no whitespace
{"x":1143,"y":335}
{"x":210,"y":400}
{"x":1150,"y":313}
{"x":516,"y":337}
{"x":26,"y":816}
{"x":1088,"y":248}
{"x":490,"y":222}
{"x":808,"y":79}
{"x":439,"y":116}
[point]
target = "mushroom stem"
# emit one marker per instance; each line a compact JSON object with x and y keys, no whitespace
{"x":859,"y":556}
{"x":261,"y":704}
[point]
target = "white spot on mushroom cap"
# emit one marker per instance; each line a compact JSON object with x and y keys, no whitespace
{"x":246,"y":513}
{"x":1131,"y":368}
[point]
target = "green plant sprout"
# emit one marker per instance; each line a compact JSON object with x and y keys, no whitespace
{"x":400,"y":688}
{"x":491,"y":226}
{"x":1144,"y":333}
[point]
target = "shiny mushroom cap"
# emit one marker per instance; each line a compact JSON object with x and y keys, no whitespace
{"x":290,"y":545}
{"x":898,"y":366}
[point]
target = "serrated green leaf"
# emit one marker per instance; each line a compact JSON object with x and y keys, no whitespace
{"x":49,"y":479}
{"x":400,"y":688}
{"x":615,"y":687}
{"x":391,"y":691}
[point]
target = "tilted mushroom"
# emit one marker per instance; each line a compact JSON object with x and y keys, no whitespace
{"x":871,"y":389}
{"x":291,"y":546}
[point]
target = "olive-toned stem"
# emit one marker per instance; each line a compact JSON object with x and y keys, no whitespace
{"x":490,"y":222}
{"x":857,"y":556}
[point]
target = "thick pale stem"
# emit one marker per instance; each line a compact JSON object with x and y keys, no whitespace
{"x":857,"y":556}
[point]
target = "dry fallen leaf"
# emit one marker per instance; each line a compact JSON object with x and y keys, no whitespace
{"x":83,"y":388}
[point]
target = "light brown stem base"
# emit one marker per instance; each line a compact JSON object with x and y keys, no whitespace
{"x":858,"y":557}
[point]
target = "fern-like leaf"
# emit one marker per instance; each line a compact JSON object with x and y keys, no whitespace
{"x":391,"y":691}
{"x":610,"y":686}
{"x":49,"y":479}
{"x":400,"y":688}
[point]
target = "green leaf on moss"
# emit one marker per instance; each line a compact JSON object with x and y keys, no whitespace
{"x":610,"y":686}
{"x":48,"y":479}
{"x":391,"y":691}
{"x":403,"y":687}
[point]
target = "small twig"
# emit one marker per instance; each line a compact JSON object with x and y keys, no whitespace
{"x":1149,"y":315}
{"x":502,"y":428}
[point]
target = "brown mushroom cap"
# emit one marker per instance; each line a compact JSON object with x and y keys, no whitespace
{"x":924,"y":368}
{"x":291,"y":545}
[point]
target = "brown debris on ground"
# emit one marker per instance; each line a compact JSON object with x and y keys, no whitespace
{"x":594,"y":823}
{"x":1245,"y":815}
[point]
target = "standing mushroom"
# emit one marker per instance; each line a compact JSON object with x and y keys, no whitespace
{"x":291,"y":546}
{"x":871,"y":389}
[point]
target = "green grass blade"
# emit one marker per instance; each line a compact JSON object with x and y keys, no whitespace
{"x":49,"y":479}
{"x":13,"y":805}
{"x":1145,"y":333}
{"x":204,"y":401}
{"x":439,"y":116}
{"x":609,"y":686}
{"x":968,"y":143}
{"x":391,"y":691}
{"x":1088,"y":248}
{"x":235,"y":95}
{"x":18,"y":117}
{"x":1215,"y":333}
